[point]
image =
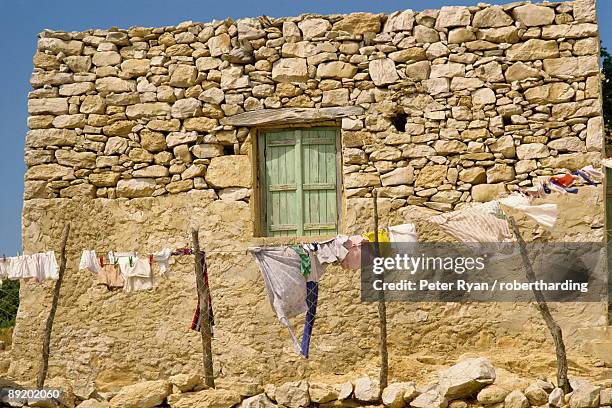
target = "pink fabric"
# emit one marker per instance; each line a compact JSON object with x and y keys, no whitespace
{"x":352,"y":260}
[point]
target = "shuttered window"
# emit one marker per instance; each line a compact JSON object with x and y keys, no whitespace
{"x":298,"y":182}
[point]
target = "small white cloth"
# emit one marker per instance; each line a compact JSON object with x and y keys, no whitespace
{"x":90,"y":261}
{"x":544,"y":214}
{"x":39,"y":266}
{"x":136,"y":273}
{"x":163,"y":260}
{"x":332,"y":250}
{"x":403,"y":233}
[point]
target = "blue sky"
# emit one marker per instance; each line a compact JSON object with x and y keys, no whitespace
{"x":21,"y":20}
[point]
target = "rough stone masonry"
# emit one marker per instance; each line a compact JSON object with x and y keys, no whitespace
{"x":135,"y":135}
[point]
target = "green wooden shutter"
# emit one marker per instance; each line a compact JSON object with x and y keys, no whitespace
{"x":298,"y":175}
{"x":319,"y":181}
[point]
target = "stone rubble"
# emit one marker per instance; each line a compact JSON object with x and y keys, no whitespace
{"x":188,"y":391}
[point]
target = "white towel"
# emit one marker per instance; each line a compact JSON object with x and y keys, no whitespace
{"x":544,"y":214}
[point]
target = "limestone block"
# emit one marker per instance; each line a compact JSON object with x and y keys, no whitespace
{"x":492,"y":394}
{"x":234,"y":193}
{"x":532,"y":151}
{"x":567,"y":144}
{"x":115,"y":145}
{"x":207,"y":150}
{"x":425,"y":34}
{"x":569,"y":67}
{"x":532,"y":15}
{"x":367,"y":390}
{"x":484,"y":96}
{"x":314,"y":27}
{"x":207,"y":63}
{"x":447,"y":70}
{"x":232,"y":78}
{"x":134,"y":188}
{"x":135,"y":67}
{"x":487,"y":192}
{"x":293,"y":394}
{"x":492,"y":16}
{"x":473,"y":175}
{"x":550,"y":93}
{"x":382,"y":72}
{"x":212,"y":398}
{"x":536,"y":395}
{"x":505,"y":146}
{"x":359,"y":23}
{"x":321,"y":393}
{"x":229,"y":171}
{"x":290,"y":70}
{"x":152,"y":141}
{"x":556,"y":398}
{"x":56,"y":45}
{"x":38,"y":138}
{"x":53,"y":106}
{"x":151,"y":171}
{"x":257,"y":401}
{"x":418,"y":71}
{"x":142,"y":110}
{"x":516,"y":399}
{"x":177,"y":138}
{"x":336,"y":69}
{"x":534,"y":49}
{"x":119,"y":128}
{"x":186,"y":108}
{"x":431,"y":176}
{"x":399,"y":176}
{"x":78,"y":88}
{"x":249,"y":29}
{"x":409,"y":54}
{"x":453,"y":16}
{"x":184,"y":76}
{"x":399,"y":21}
{"x":430,"y":399}
{"x":520,"y":71}
{"x":48,"y":172}
{"x":553,"y":32}
{"x":355,"y":180}
{"x":393,"y":394}
{"x":106,"y":58}
{"x":86,"y":160}
{"x":104,"y":179}
{"x":219,"y":45}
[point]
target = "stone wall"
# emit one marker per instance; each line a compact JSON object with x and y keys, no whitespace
{"x":138,"y":134}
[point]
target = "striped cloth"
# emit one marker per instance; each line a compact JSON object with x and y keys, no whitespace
{"x":196,"y":322}
{"x":483,"y":223}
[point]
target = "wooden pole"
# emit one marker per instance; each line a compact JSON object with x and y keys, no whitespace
{"x":42,"y":373}
{"x":553,"y":327}
{"x":205,"y":328}
{"x":382,"y":307}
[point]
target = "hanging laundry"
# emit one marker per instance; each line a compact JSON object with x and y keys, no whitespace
{"x":284,"y":282}
{"x":163,"y":260}
{"x":39,"y":266}
{"x":543,"y":214}
{"x":305,"y":265}
{"x":312,"y":298}
{"x":383,"y":241}
{"x":317,"y":268}
{"x":332,"y":250}
{"x":594,"y":174}
{"x":136,"y":272}
{"x":90,"y":261}
{"x":110,"y":276}
{"x":352,"y":260}
{"x":403,"y":233}
{"x":196,"y":322}
{"x":483,"y":223}
{"x":607,"y":163}
{"x":566,"y":180}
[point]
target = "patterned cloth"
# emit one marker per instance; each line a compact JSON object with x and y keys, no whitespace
{"x":305,"y":264}
{"x":312,"y":297}
{"x":196,"y":322}
{"x":483,"y":223}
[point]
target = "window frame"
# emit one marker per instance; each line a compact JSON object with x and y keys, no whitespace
{"x":259,"y":196}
